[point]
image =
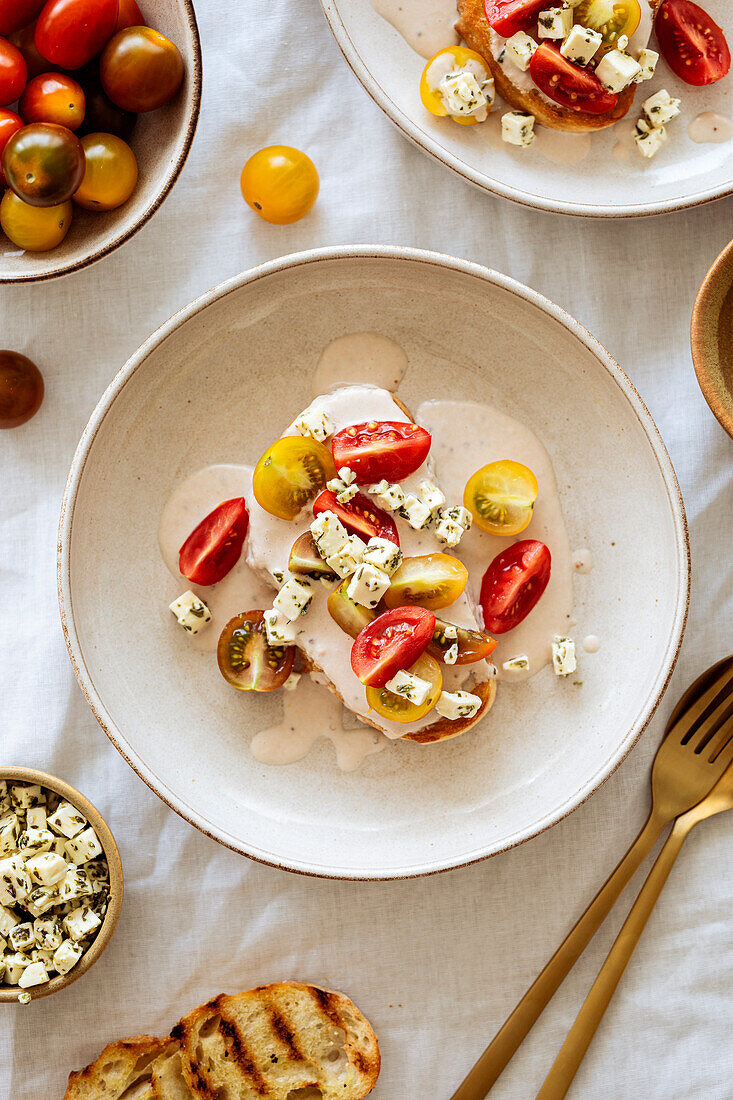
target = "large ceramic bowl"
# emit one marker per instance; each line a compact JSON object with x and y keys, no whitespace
{"x":161,"y":142}
{"x":213,"y":385}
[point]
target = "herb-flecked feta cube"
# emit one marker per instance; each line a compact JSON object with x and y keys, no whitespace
{"x":458,"y":704}
{"x":47,"y":869}
{"x":290,"y":685}
{"x":388,"y":496}
{"x":15,"y":883}
{"x":35,"y":974}
{"x":410,"y":687}
{"x":517,"y":128}
{"x":278,"y":630}
{"x":431,"y":496}
{"x":383,"y":554}
{"x":616,"y":70}
{"x":417,"y":514}
{"x":81,"y":922}
{"x":75,"y":884}
{"x":14,"y":966}
{"x":41,"y":899}
{"x":520,"y":49}
{"x":66,"y":956}
{"x":27,"y":795}
{"x":67,"y":820}
{"x":32,"y":842}
{"x":48,"y":933}
{"x":22,"y":937}
{"x":329,"y":534}
{"x":451,"y":654}
{"x":661,"y":108}
{"x":649,"y":139}
{"x":191,"y":612}
{"x":563,"y":655}
{"x":314,"y":423}
{"x":83,"y":847}
{"x":8,"y":921}
{"x":581,"y":45}
{"x":9,"y":834}
{"x":519,"y":663}
{"x":368,"y":585}
{"x":554,"y":23}
{"x":35,"y":818}
{"x":294,"y":598}
{"x":348,"y":558}
{"x":648,"y":64}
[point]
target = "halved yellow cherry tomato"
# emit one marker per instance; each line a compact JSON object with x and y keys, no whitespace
{"x":501,"y":497}
{"x":431,"y":98}
{"x":398,"y":709}
{"x":291,"y":472}
{"x":432,"y":581}
{"x":280,"y":184}
{"x":611,"y":17}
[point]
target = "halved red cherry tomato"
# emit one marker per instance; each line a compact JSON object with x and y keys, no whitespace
{"x":381,"y":449}
{"x":693,"y":45}
{"x":507,"y":17}
{"x":392,"y":641}
{"x":359,"y":517}
{"x":513,"y":584}
{"x":246,"y":659}
{"x":10,"y":123}
{"x":213,"y":548}
{"x":71,"y":32}
{"x":13,"y":72}
{"x":15,"y":14}
{"x":129,"y":15}
{"x":567,"y":84}
{"x":53,"y":97}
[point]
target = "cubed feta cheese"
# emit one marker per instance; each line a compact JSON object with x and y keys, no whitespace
{"x":563,"y":655}
{"x":649,"y":139}
{"x":290,"y":685}
{"x":14,"y":967}
{"x":383,"y":554}
{"x":15,"y":883}
{"x":368,"y":585}
{"x":35,"y":818}
{"x":348,"y":558}
{"x":449,"y":533}
{"x":279,"y":630}
{"x":34,"y":841}
{"x":41,"y":899}
{"x":48,"y":933}
{"x":410,"y":687}
{"x":347,"y":475}
{"x":416,"y":513}
{"x":616,"y":70}
{"x":451,"y":654}
{"x":315,"y":423}
{"x":431,"y":496}
{"x":391,"y":497}
{"x":75,"y":884}
{"x":66,"y":956}
{"x":520,"y":48}
{"x":661,"y":108}
{"x":458,"y":704}
{"x":9,"y":834}
{"x":450,"y":631}
{"x":27,"y":795}
{"x":294,"y":598}
{"x":344,"y":490}
{"x":8,"y":921}
{"x":67,"y":820}
{"x":22,"y":937}
{"x":517,"y":128}
{"x":465,"y":93}
{"x":555,"y":23}
{"x":516,"y":664}
{"x":329,"y":534}
{"x":35,"y":974}
{"x":81,"y":922}
{"x":347,"y":493}
{"x":48,"y":868}
{"x":191,"y":612}
{"x":647,"y":63}
{"x":581,"y":45}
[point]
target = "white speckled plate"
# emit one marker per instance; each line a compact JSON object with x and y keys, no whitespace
{"x":683,"y":174}
{"x":212,"y":385}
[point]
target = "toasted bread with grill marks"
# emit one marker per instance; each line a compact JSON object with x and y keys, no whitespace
{"x":473,"y":26}
{"x":277,"y":1040}
{"x":123,"y":1068}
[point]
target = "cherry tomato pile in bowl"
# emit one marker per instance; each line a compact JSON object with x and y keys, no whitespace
{"x":99,"y":101}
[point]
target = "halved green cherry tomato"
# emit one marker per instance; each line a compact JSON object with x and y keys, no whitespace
{"x":359,"y":516}
{"x":21,"y":389}
{"x":432,"y":99}
{"x":390,"y":642}
{"x":473,"y":645}
{"x":34,"y":228}
{"x":129,"y":15}
{"x":432,"y":581}
{"x":513,"y":584}
{"x":566,"y":83}
{"x":25,"y":40}
{"x":507,"y":17}
{"x":15,"y":14}
{"x":611,"y":17}
{"x":246,"y":659}
{"x":306,"y":561}
{"x":398,"y":709}
{"x":13,"y":73}
{"x":280,"y":184}
{"x":380,"y":449}
{"x":71,"y":32}
{"x":350,"y":616}
{"x":141,"y":69}
{"x":693,"y":45}
{"x":43,"y":164}
{"x":53,"y":97}
{"x":290,"y":473}
{"x":501,"y":497}
{"x":213,"y":548}
{"x":10,"y":123}
{"x":110,"y":173}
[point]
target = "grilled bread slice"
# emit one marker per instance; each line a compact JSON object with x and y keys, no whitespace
{"x":279,"y":1041}
{"x":124,"y":1068}
{"x":472,"y":25}
{"x":168,"y":1080}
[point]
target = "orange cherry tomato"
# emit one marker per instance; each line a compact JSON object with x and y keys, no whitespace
{"x":110,"y":173}
{"x":54,"y":97}
{"x":34,"y":228}
{"x":10,"y":123}
{"x":129,"y":15}
{"x":141,"y":69}
{"x":13,"y":72}
{"x":44,"y":164}
{"x":280,"y":184}
{"x":21,"y":389}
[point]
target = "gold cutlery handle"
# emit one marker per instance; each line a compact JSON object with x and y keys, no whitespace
{"x":505,"y":1043}
{"x":580,"y":1036}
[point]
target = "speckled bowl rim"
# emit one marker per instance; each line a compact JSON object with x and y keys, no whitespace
{"x":429,"y":259}
{"x":433,"y":148}
{"x":171,"y":176}
{"x":701,"y":311}
{"x":9,"y":993}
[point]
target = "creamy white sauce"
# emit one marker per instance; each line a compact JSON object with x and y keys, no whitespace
{"x":710,"y":128}
{"x":582,"y":560}
{"x":591,"y":644}
{"x":426,"y":25}
{"x":561,"y":147}
{"x":360,"y":357}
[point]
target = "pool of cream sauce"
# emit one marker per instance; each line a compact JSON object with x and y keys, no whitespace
{"x":426,"y":25}
{"x":360,"y":357}
{"x":710,"y":128}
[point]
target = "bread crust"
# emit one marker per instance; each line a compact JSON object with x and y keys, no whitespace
{"x":118,"y":1066}
{"x":474,"y":28}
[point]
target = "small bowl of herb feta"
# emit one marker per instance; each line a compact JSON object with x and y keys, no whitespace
{"x":60,"y":885}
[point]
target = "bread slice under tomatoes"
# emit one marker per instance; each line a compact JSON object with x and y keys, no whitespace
{"x":474,"y":28}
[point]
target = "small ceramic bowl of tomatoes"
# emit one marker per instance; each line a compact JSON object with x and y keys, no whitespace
{"x":99,"y":101}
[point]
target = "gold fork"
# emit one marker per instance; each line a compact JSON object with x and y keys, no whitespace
{"x":581,"y":1034}
{"x":681,"y":777}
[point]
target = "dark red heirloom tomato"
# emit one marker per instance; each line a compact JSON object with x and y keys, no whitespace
{"x":381,"y":449}
{"x":21,"y":389}
{"x":13,"y":72}
{"x":15,"y":14}
{"x":71,"y":32}
{"x":25,"y":40}
{"x":213,"y":548}
{"x":54,"y":97}
{"x":43,"y":164}
{"x":102,"y":116}
{"x":129,"y":15}
{"x":567,"y":84}
{"x":392,"y":641}
{"x":359,"y":516}
{"x":513,"y":584}
{"x":693,"y":45}
{"x":246,"y":659}
{"x":507,"y":17}
{"x":10,"y":123}
{"x":141,"y":69}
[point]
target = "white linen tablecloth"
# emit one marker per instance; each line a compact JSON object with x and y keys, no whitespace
{"x":437,"y":963}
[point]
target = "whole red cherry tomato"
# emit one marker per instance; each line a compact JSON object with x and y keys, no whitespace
{"x":13,"y":72}
{"x":214,"y":547}
{"x":10,"y":123}
{"x":513,"y":584}
{"x":141,"y":70}
{"x":381,"y":449}
{"x":359,"y":516}
{"x":507,"y":17}
{"x":693,"y":45}
{"x":71,"y":32}
{"x":129,"y":15}
{"x":21,"y":389}
{"x":43,"y":164}
{"x":392,"y":641}
{"x":567,"y":84}
{"x":15,"y":14}
{"x":25,"y":40}
{"x":53,"y":97}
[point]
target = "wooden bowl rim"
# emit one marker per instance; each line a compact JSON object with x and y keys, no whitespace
{"x":706,"y":359}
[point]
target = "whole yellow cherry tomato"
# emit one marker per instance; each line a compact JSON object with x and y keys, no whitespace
{"x":280,"y":184}
{"x":34,"y":228}
{"x":398,"y":709}
{"x":501,"y":497}
{"x":110,"y":174}
{"x":431,"y":97}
